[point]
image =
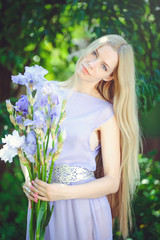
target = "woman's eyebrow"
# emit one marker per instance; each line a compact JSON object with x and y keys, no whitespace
{"x":103,"y":61}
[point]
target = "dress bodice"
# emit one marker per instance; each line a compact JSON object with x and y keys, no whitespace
{"x":84,"y":113}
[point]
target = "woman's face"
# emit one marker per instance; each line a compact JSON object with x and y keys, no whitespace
{"x":98,"y":65}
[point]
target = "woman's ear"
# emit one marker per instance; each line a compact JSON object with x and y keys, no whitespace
{"x":108,"y":78}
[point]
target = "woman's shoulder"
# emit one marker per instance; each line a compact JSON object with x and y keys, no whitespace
{"x":59,"y":84}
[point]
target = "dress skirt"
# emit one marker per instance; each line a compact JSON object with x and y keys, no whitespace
{"x":79,"y":219}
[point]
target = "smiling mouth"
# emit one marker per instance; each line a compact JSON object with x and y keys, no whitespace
{"x":85,"y":70}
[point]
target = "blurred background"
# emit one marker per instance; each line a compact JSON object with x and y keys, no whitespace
{"x":52,"y":34}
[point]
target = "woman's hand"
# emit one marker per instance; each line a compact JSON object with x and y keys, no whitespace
{"x":48,"y":191}
{"x":30,"y":197}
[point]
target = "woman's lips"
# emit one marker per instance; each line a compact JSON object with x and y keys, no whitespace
{"x":85,"y":69}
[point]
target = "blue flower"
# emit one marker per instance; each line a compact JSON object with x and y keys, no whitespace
{"x":19,"y":79}
{"x":38,"y":120}
{"x":22,"y":105}
{"x":33,"y":75}
{"x":30,"y":146}
{"x":54,"y":99}
{"x":19,"y":119}
{"x":44,"y":100}
{"x":50,"y":88}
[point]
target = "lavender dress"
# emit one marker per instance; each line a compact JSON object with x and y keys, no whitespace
{"x":81,"y":219}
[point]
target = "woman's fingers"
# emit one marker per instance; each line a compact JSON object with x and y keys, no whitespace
{"x":28,"y":193}
{"x":30,"y":197}
{"x":36,"y":191}
{"x":36,"y":187}
{"x":26,"y":184}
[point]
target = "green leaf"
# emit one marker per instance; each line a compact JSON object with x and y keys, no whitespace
{"x":41,"y":213}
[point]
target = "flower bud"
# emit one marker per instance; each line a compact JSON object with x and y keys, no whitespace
{"x":29,"y":111}
{"x":63,"y":117}
{"x":31,"y":100}
{"x":12,"y":119}
{"x":22,"y":127}
{"x":19,"y":151}
{"x":30,"y":85}
{"x":23,"y":160}
{"x":62,"y":136}
{"x":48,"y":122}
{"x":64,"y":104}
{"x":28,"y":129}
{"x":10,"y":107}
{"x":41,"y":157}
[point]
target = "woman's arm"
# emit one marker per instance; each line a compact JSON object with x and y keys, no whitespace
{"x":110,"y":147}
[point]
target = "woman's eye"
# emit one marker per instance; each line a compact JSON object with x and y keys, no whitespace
{"x":104,"y":67}
{"x":94,"y":53}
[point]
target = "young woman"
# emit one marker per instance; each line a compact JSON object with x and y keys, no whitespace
{"x":96,"y":175}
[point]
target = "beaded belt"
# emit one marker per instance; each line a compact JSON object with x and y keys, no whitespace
{"x":66,"y":174}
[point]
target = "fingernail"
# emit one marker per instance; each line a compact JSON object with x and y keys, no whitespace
{"x":31,"y":187}
{"x":36,"y":193}
{"x":32,"y":182}
{"x":36,"y":201}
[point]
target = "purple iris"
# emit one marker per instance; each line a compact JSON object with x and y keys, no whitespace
{"x":44,"y":100}
{"x":19,"y":119}
{"x":39,"y":121}
{"x":31,"y":145}
{"x":19,"y":79}
{"x":54,"y":99}
{"x":22,"y":105}
{"x":33,"y":75}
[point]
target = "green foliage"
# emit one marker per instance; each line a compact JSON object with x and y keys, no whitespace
{"x":13,"y":204}
{"x":150,"y":122}
{"x":49,"y":33}
{"x":6,"y":125}
{"x":146,"y":205}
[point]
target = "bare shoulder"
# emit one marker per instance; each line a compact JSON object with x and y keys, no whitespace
{"x":110,"y":125}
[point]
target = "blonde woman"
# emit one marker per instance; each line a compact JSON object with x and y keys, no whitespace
{"x":95,"y":177}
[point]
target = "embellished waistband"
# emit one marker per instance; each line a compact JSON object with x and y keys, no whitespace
{"x":66,"y":174}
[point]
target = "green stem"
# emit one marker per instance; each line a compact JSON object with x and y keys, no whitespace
{"x":32,"y":112}
{"x":44,"y":151}
{"x":51,"y":169}
{"x":29,"y":171}
{"x":24,"y":131}
{"x":32,"y":225}
{"x":58,"y":123}
{"x":16,"y":127}
{"x":38,"y":159}
{"x":47,"y":140}
{"x":45,"y":171}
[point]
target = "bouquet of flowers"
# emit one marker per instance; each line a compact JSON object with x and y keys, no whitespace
{"x":38,"y":136}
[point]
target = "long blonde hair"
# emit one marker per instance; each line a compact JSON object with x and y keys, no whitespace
{"x":122,"y":93}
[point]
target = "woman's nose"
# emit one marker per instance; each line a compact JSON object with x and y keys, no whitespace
{"x":93,"y":63}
